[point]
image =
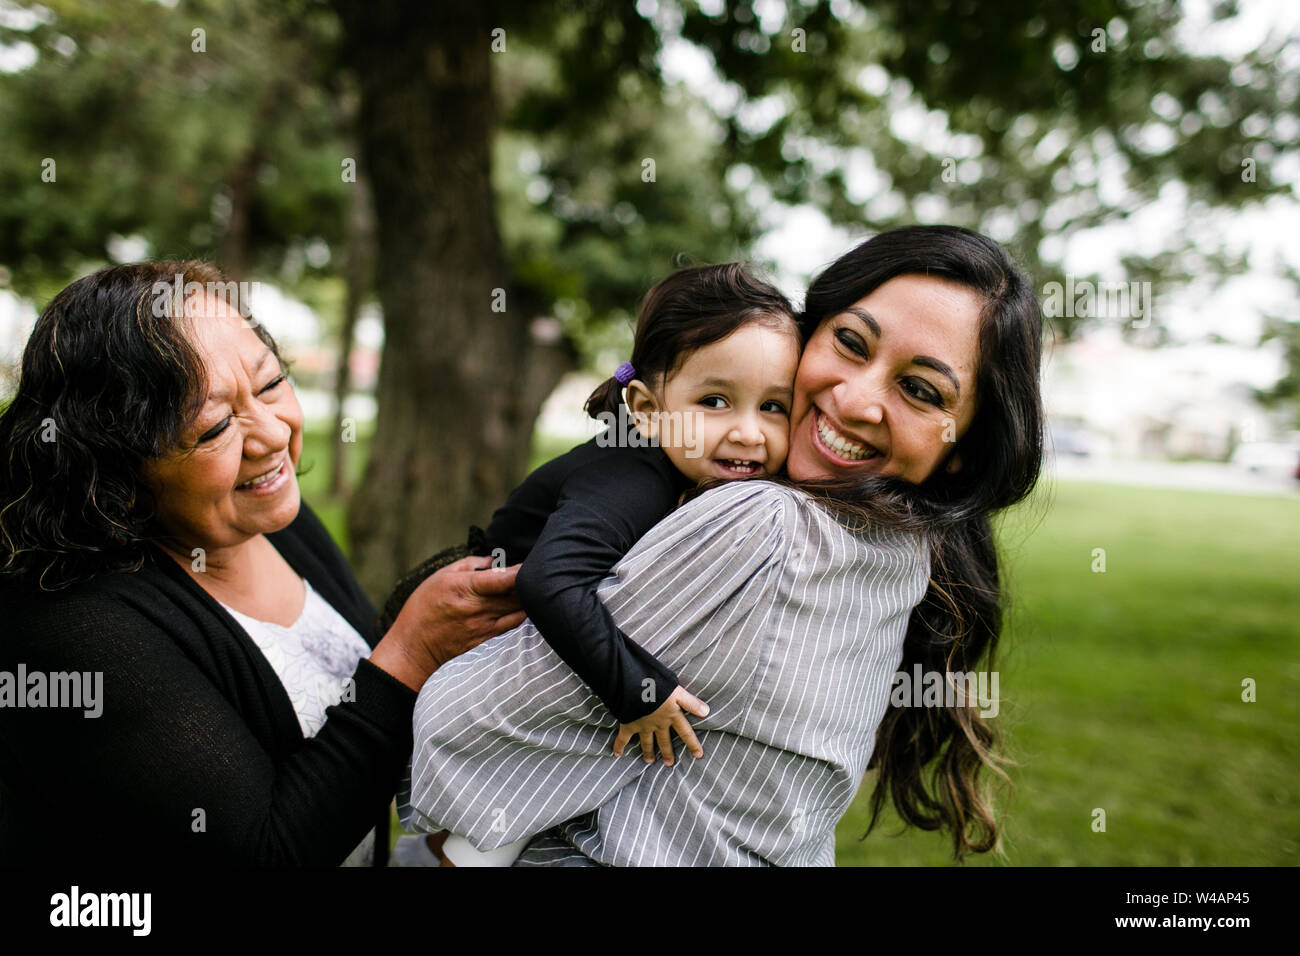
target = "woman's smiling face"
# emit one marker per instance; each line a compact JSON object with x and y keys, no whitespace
{"x":887,"y":387}
{"x":233,"y":478}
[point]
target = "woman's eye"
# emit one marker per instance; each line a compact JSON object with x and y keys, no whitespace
{"x":713,"y":401}
{"x":922,"y":390}
{"x":851,"y":341}
{"x":214,"y":431}
{"x":274,"y":383}
{"x":774,"y":406}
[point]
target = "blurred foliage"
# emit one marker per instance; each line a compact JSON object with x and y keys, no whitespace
{"x":1286,"y":391}
{"x":1000,"y":115}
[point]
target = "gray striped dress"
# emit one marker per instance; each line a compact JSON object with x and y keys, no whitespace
{"x":786,"y":623}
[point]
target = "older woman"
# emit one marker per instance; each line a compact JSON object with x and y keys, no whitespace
{"x":787,"y":607}
{"x":156,"y":556}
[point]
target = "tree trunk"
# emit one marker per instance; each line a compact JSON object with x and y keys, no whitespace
{"x":453,"y":430}
{"x":233,"y":254}
{"x":357,"y":273}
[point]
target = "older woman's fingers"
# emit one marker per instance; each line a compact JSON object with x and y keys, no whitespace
{"x":472,"y":563}
{"x":684,"y":730}
{"x":647,"y":747}
{"x":510,"y":621}
{"x":490,"y":581}
{"x":665,"y":746}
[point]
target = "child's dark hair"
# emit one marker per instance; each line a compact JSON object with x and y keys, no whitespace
{"x":688,"y":310}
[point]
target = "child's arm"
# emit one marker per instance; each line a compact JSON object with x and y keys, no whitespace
{"x":604,"y":509}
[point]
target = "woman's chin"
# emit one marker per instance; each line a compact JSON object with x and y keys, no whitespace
{"x":277,"y":512}
{"x":807,"y":465}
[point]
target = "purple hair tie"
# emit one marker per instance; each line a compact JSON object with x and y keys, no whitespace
{"x":624,"y":373}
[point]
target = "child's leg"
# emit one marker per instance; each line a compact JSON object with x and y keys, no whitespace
{"x":463,"y":853}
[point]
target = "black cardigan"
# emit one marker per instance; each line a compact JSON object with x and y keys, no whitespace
{"x":198,"y":755}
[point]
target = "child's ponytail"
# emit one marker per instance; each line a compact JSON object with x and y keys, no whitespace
{"x":605,"y":399}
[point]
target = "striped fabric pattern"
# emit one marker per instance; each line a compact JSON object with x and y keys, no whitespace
{"x":788,"y":625}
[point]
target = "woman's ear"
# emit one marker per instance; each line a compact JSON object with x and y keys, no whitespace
{"x":643,"y":405}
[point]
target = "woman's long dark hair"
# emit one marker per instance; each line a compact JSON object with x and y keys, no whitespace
{"x":929,"y":758}
{"x":109,"y":379}
{"x":688,"y":310}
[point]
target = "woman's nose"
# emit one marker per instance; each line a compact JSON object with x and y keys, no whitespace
{"x":863,"y":399}
{"x":269,"y":434}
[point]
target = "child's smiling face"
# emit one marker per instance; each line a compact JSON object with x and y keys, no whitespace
{"x":725,"y":413}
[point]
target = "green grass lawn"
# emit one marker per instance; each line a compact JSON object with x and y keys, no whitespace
{"x":1122,"y":690}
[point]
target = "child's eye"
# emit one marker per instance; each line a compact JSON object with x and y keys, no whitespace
{"x":274,"y":383}
{"x":774,"y":406}
{"x":709,"y":400}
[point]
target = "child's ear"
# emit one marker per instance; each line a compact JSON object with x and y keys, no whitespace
{"x":643,"y":405}
{"x":639,"y":398}
{"x":954,"y":463}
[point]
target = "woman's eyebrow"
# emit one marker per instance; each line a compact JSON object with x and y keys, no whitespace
{"x":941,"y":367}
{"x":867,"y":318}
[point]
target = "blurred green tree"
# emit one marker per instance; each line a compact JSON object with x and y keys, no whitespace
{"x":508,"y":144}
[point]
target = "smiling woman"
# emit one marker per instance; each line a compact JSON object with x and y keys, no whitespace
{"x":871,"y":389}
{"x":788,"y":604}
{"x":231,"y":477}
{"x":152,"y":533}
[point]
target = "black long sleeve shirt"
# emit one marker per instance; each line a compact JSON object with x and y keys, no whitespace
{"x":193,"y":719}
{"x":570,"y":522}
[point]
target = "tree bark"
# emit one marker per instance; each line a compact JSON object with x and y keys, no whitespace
{"x":453,"y":429}
{"x":357,"y":274}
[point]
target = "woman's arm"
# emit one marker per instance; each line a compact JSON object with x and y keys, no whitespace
{"x":510,"y":741}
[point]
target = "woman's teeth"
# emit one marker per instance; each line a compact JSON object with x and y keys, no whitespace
{"x":841,"y":445}
{"x":262,"y":479}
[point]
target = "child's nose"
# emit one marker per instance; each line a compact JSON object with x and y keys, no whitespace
{"x":746,"y":432}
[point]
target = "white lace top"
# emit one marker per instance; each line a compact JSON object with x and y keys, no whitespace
{"x":314,"y":658}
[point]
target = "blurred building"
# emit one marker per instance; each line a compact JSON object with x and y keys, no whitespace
{"x":1106,"y":398}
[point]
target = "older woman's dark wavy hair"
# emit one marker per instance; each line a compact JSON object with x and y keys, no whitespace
{"x":958,"y":622}
{"x":109,"y":379}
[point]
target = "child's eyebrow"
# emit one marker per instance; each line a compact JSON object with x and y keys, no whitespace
{"x":714,"y":381}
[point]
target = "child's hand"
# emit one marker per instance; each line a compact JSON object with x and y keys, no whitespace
{"x":671,"y":715}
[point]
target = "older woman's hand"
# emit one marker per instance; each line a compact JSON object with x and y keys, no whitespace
{"x":453,"y":610}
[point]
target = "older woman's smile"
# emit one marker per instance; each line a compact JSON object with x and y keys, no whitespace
{"x":267,"y":483}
